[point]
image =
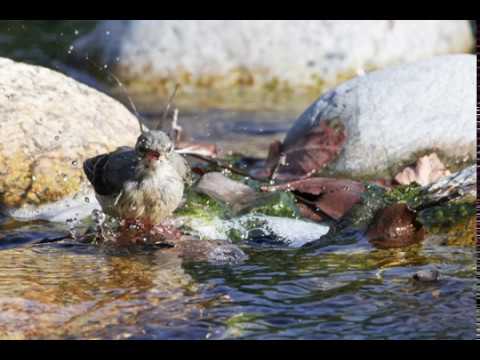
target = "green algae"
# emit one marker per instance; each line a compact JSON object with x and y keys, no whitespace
{"x":201,"y":206}
{"x":281,"y":204}
{"x":454,"y":222}
{"x":409,"y":194}
{"x":447,"y":214}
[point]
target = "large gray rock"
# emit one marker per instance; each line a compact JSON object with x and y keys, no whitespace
{"x":267,"y":53}
{"x":394,"y":114}
{"x":49,"y":124}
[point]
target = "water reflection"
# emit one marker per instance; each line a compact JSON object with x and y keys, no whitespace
{"x":62,"y":291}
{"x":72,"y":290}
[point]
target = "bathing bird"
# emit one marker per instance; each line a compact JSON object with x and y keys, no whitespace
{"x":141,"y":185}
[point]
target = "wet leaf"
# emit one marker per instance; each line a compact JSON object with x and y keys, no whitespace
{"x":427,"y":170}
{"x":307,"y":212}
{"x":274,"y":152}
{"x":333,"y":197}
{"x":310,"y":153}
{"x":395,"y":226}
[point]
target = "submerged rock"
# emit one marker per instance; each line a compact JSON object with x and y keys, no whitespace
{"x":392,"y":115}
{"x":426,"y":275}
{"x":236,"y":198}
{"x":273,"y":55}
{"x":50,"y":124}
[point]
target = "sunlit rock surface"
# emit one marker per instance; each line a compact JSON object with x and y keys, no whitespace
{"x":49,"y":125}
{"x":271,"y":54}
{"x":393,"y":115}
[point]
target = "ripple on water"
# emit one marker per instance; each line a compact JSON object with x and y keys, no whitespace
{"x":71,"y":290}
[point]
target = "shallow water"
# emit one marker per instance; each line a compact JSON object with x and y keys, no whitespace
{"x":71,"y":290}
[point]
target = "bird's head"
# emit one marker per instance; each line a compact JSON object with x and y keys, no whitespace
{"x":154,"y":146}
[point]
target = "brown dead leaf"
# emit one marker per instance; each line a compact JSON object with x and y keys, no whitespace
{"x":333,"y":197}
{"x":304,"y":156}
{"x":427,"y":170}
{"x":395,"y":226}
{"x":266,"y":170}
{"x":309,"y":213}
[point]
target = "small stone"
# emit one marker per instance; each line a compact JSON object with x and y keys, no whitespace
{"x":226,"y":254}
{"x":426,"y":275}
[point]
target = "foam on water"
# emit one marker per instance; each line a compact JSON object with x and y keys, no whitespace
{"x":292,"y":232}
{"x":285,"y":231}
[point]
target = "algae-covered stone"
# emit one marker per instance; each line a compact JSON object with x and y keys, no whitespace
{"x":393,"y":115}
{"x":49,"y":125}
{"x":237,"y":198}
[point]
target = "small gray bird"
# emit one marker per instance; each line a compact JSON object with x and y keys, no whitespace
{"x":144,"y":184}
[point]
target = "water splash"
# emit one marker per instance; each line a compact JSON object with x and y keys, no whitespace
{"x":282,"y":231}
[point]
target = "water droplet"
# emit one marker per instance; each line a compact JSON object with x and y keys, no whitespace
{"x":57,"y":137}
{"x":107,"y":32}
{"x":65,"y":177}
{"x":74,"y":163}
{"x":34,"y":178}
{"x":105,"y":66}
{"x":87,"y":199}
{"x":76,"y":32}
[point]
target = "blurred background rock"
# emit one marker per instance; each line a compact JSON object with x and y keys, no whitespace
{"x":232,"y":64}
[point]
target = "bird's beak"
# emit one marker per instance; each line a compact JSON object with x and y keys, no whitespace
{"x":152,"y":155}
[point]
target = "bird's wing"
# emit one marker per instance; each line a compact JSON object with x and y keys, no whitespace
{"x":182,"y":167}
{"x":108,"y":172}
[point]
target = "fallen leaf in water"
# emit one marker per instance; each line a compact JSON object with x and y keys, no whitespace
{"x":306,"y":155}
{"x":427,"y":170}
{"x":273,"y":157}
{"x":395,"y":226}
{"x":309,"y":213}
{"x":333,"y":197}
